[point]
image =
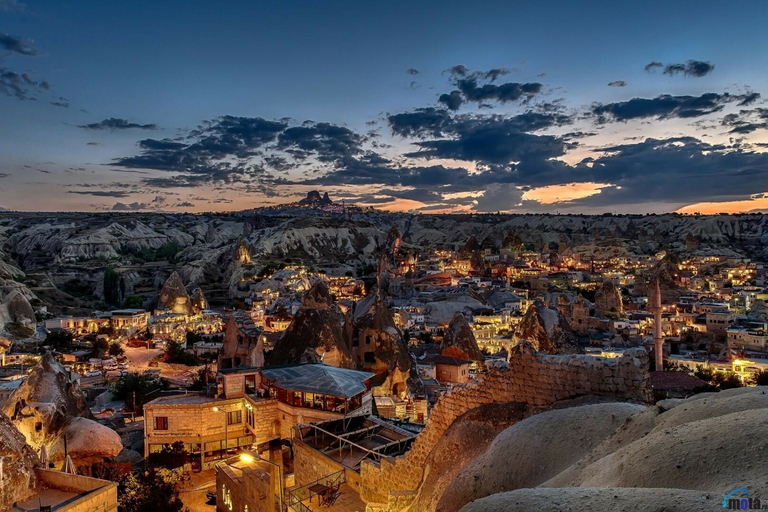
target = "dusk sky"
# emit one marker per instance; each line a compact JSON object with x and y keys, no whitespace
{"x":590,"y":107}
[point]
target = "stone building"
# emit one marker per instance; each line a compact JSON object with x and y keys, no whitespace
{"x":260,"y":407}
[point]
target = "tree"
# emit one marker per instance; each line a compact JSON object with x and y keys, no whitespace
{"x":59,"y":339}
{"x":175,"y":354}
{"x":107,"y":329}
{"x":151,"y":491}
{"x":100,"y":346}
{"x":171,"y":456}
{"x":203,"y":377}
{"x":114,"y":287}
{"x":134,"y":302}
{"x":115,"y":350}
{"x":139,"y":386}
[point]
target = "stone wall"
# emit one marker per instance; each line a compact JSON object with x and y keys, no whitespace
{"x":99,"y":495}
{"x":249,"y":486}
{"x":310,"y":465}
{"x":536,"y":379}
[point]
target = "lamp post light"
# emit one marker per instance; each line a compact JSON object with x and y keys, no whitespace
{"x":226,"y":430}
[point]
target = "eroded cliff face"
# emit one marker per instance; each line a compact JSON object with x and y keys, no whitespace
{"x":49,"y":406}
{"x":547,"y":330}
{"x":459,"y":340}
{"x":18,"y":482}
{"x":377,"y":346}
{"x":317,"y":331}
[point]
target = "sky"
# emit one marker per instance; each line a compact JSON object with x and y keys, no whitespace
{"x":431,"y":107}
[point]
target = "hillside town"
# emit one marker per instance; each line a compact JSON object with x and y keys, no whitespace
{"x":306,"y":383}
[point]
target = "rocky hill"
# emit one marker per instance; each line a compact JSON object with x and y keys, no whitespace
{"x":64,"y":255}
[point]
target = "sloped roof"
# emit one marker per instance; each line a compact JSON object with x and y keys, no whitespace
{"x":675,"y":380}
{"x":319,"y":378}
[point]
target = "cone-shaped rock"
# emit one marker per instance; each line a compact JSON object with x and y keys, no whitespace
{"x":19,"y":481}
{"x":547,"y":330}
{"x":608,"y":299}
{"x":317,"y":330}
{"x":174,"y":297}
{"x":459,"y":340}
{"x":198,"y":301}
{"x":378,"y":347}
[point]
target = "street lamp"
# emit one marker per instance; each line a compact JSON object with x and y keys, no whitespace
{"x":226,"y":430}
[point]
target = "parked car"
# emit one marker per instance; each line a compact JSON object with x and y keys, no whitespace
{"x":93,"y":373}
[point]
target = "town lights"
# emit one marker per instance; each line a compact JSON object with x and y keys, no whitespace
{"x":247,"y":457}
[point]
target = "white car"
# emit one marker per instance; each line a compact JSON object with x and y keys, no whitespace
{"x":93,"y":373}
{"x":124,"y":366}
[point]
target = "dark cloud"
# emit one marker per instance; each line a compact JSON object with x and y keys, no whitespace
{"x":617,"y":83}
{"x":653,"y":65}
{"x":129,"y":207}
{"x":218,"y":151}
{"x":746,"y":121}
{"x":93,"y":143}
{"x":470,"y":90}
{"x":749,"y":98}
{"x":114,"y":123}
{"x":186,"y":204}
{"x":693,"y":68}
{"x":427,"y":121}
{"x":459,"y":70}
{"x":664,"y":107}
{"x":61,"y":102}
{"x":412,"y":71}
{"x":501,"y":197}
{"x":328,"y":142}
{"x":681,"y":170}
{"x":99,"y":193}
{"x":20,"y":85}
{"x":14,"y":44}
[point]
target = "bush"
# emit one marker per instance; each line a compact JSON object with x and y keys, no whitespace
{"x":142,"y":387}
{"x":153,"y":490}
{"x":134,"y":302}
{"x":760,"y":378}
{"x":115,"y":349}
{"x":175,"y":354}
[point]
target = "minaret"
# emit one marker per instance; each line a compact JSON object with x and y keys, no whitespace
{"x":658,"y":338}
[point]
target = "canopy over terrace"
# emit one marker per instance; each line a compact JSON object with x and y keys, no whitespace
{"x":318,"y":386}
{"x":350,"y":440}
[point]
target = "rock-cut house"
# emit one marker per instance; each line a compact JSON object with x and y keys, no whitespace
{"x":243,"y":343}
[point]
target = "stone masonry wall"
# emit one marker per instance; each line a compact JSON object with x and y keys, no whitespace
{"x":536,"y":379}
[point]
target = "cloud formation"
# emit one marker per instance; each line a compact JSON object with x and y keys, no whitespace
{"x":15,"y":44}
{"x":692,"y":68}
{"x":665,"y":107}
{"x":617,"y":83}
{"x":114,"y":123}
{"x":20,"y":85}
{"x":478,"y":86}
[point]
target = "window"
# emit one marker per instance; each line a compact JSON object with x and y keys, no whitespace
{"x":161,"y":423}
{"x":234,"y":417}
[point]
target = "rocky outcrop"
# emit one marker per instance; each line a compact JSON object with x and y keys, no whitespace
{"x":49,"y":406}
{"x":377,"y":346}
{"x":547,"y":330}
{"x":174,"y":297}
{"x":18,"y":481}
{"x":199,"y":303}
{"x":317,"y":331}
{"x":242,"y":253}
{"x":758,"y":312}
{"x":16,"y":314}
{"x":459,"y":340}
{"x":608,"y":299}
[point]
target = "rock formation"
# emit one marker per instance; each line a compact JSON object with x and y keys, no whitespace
{"x":49,"y":406}
{"x":174,"y":297}
{"x":16,"y":314}
{"x":758,"y":312}
{"x":580,"y":315}
{"x":547,"y":330}
{"x":459,"y":340}
{"x":393,"y":241}
{"x":198,"y":301}
{"x":242,"y":254}
{"x":608,"y":299}
{"x":314,"y":199}
{"x":377,"y":346}
{"x":316,"y":331}
{"x":18,"y":481}
{"x":564,"y":306}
